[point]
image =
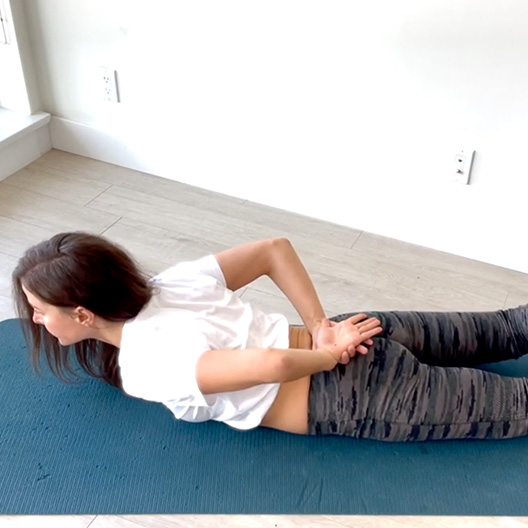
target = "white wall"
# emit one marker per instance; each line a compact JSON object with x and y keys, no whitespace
{"x":347,"y":111}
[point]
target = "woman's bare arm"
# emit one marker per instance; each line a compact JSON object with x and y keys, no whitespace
{"x":277,"y":259}
{"x":230,"y":370}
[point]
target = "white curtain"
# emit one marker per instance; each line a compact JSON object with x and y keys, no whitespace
{"x":4,"y":33}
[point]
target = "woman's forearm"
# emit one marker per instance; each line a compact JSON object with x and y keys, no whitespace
{"x":301,"y":362}
{"x":289,"y":274}
{"x":231,"y":370}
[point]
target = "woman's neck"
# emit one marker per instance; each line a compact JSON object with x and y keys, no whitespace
{"x":109,"y":332}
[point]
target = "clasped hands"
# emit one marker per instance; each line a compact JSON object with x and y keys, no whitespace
{"x":343,"y":339}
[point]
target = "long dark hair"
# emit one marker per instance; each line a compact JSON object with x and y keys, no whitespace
{"x":79,"y":269}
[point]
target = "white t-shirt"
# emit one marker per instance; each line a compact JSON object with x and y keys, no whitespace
{"x":190,"y":312}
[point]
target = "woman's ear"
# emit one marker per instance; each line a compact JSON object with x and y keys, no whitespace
{"x":84,"y":316}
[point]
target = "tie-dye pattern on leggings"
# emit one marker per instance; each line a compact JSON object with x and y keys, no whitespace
{"x":416,"y":382}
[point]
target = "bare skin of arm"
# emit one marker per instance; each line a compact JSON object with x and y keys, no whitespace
{"x":230,"y":370}
{"x":277,"y":259}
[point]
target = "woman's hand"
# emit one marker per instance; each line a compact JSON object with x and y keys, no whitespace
{"x":347,"y":337}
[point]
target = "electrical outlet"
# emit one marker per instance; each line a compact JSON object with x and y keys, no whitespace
{"x":462,"y":166}
{"x":108,"y":80}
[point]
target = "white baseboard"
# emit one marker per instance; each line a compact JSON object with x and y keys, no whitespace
{"x":23,"y":139}
{"x":98,"y":144}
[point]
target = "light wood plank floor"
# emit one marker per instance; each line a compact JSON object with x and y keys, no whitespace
{"x":161,"y":222}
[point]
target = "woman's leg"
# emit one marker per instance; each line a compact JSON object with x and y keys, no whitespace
{"x":388,"y":394}
{"x":458,"y":338}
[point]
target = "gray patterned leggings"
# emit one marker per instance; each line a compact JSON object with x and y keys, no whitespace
{"x":416,"y":382}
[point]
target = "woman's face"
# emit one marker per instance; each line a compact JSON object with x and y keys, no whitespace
{"x":63,"y":323}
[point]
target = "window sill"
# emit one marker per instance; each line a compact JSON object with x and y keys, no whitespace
{"x":14,"y":126}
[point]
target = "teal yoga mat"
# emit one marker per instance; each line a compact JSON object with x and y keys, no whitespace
{"x":89,"y":449}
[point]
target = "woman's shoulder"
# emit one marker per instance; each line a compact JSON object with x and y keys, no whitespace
{"x":158,"y":353}
{"x":160,"y":320}
{"x":190,"y":271}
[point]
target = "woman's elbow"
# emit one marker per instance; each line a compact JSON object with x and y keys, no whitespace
{"x":280,"y":251}
{"x":281,"y":244}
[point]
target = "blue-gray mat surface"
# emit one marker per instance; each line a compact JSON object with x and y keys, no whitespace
{"x":90,"y":449}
